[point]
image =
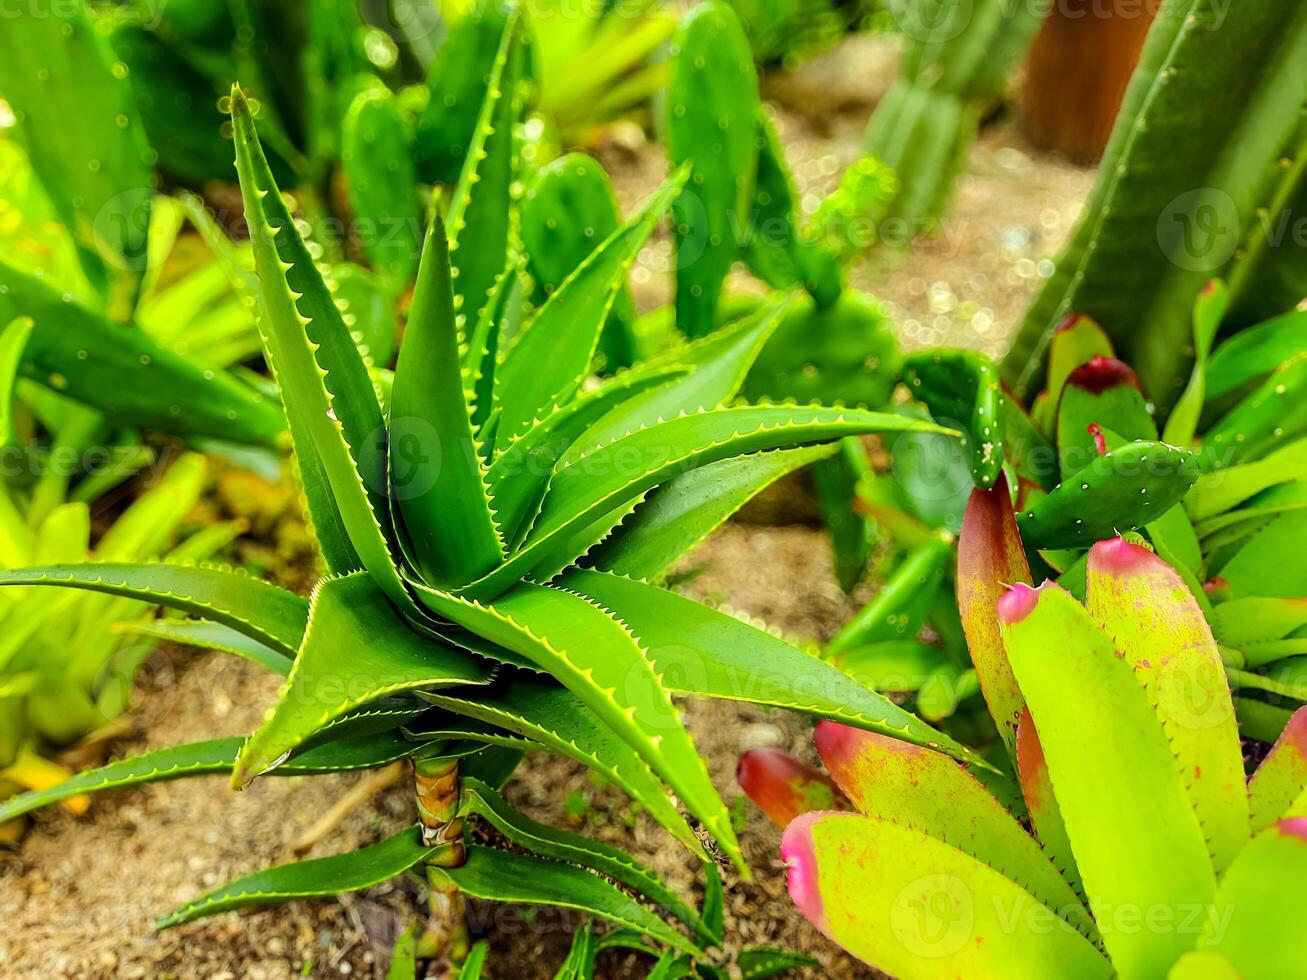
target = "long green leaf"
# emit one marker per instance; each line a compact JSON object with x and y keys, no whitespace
{"x":702,"y":652}
{"x":686,"y":510}
{"x":607,"y":668}
{"x":356,"y":650}
{"x":1136,"y":839}
{"x":215,"y":757}
{"x":500,"y":876}
{"x":13,"y":341}
{"x":574,"y":849}
{"x":317,"y":878}
{"x":600,"y":482}
{"x":122,"y":371}
{"x":435,"y":463}
{"x":212,"y":636}
{"x":259,"y":610}
{"x":324,"y":381}
{"x":552,"y":355}
{"x":482,"y":213}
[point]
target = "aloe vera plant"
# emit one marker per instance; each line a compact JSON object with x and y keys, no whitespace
{"x":493,"y":537}
{"x":1129,"y":767}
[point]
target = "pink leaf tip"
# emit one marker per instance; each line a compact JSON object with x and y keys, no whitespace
{"x":1117,"y":556}
{"x":1017,"y":603}
{"x":1289,"y":826}
{"x":801,"y":872}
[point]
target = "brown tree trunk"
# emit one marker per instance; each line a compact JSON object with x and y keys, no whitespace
{"x":1077,"y":73}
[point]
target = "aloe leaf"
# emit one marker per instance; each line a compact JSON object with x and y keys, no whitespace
{"x":259,"y":610}
{"x":712,"y":101}
{"x":1267,"y":418}
{"x":520,"y":472}
{"x":377,"y":162}
{"x":501,"y":876}
{"x":212,"y":636}
{"x":1243,"y":72}
{"x":539,"y":709}
{"x":356,"y":650}
{"x":574,"y":849}
{"x":1132,"y":828}
{"x":962,"y":388}
{"x":568,"y":210}
{"x":1144,"y":605}
{"x":552,"y":355}
{"x":476,"y":958}
{"x":13,"y":340}
{"x":592,"y":653}
{"x":209,"y":758}
{"x":483,"y":210}
{"x":686,"y":510}
{"x":435,"y":463}
{"x":1259,"y":935}
{"x":1282,"y":776}
{"x":783,"y":787}
{"x":86,"y":356}
{"x":990,"y":558}
{"x":1077,"y":340}
{"x":718,"y":365}
{"x":56,"y":68}
{"x":901,"y":607}
{"x":1041,"y":802}
{"x":933,"y":911}
{"x":317,"y":878}
{"x":1255,"y":353}
{"x":705,"y":653}
{"x":1121,"y":490}
{"x":890,"y":780}
{"x":324,"y":382}
{"x":598,"y":482}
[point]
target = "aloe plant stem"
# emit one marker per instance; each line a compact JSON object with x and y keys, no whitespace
{"x":438,"y":791}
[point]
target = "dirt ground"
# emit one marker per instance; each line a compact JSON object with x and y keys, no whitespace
{"x":78,"y":895}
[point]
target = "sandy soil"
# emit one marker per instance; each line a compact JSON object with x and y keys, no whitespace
{"x":77,"y":896}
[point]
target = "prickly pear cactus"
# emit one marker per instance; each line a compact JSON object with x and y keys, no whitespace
{"x":377,"y":158}
{"x":845,"y":354}
{"x":569,"y":209}
{"x":712,"y":100}
{"x":1121,"y":490}
{"x":963,"y":388}
{"x":774,"y":246}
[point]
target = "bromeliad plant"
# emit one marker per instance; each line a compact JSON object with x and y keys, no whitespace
{"x":1148,"y":854}
{"x":492,"y":537}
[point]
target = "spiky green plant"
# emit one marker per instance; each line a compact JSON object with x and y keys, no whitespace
{"x":492,"y":538}
{"x":1148,"y":854}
